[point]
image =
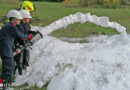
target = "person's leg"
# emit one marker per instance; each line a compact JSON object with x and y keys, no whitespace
{"x":19,"y":63}
{"x":26,"y":57}
{"x":7,"y":69}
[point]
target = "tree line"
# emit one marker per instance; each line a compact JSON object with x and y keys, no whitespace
{"x":49,"y":0}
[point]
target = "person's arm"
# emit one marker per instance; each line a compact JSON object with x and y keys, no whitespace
{"x":16,"y":33}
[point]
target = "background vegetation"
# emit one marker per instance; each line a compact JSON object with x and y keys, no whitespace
{"x":92,"y":3}
{"x":97,"y":3}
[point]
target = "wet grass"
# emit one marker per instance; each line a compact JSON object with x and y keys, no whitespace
{"x":25,"y":87}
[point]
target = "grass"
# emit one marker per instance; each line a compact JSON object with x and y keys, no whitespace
{"x":48,"y":12}
{"x":82,"y":30}
{"x":51,"y":12}
{"x":6,"y":5}
{"x":25,"y":87}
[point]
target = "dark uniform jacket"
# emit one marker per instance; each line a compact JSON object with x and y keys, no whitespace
{"x":26,"y":29}
{"x":8,"y":34}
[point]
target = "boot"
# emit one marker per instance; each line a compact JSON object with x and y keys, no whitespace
{"x":1,"y":84}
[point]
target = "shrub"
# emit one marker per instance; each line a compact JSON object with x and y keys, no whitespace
{"x":88,"y":3}
{"x":109,"y":3}
{"x":81,"y":3}
{"x":71,"y":2}
{"x":125,"y":2}
{"x":94,"y":3}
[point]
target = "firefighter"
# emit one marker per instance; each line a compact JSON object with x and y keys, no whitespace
{"x":22,"y":59}
{"x":8,"y":33}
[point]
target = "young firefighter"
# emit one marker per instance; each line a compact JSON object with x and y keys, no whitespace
{"x":22,"y":58}
{"x":8,"y":33}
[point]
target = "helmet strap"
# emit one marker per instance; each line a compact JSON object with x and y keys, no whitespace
{"x":13,"y":20}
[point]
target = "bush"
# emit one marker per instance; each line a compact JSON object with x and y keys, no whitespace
{"x":111,"y":3}
{"x":94,"y":3}
{"x":72,"y":3}
{"x":81,"y":3}
{"x":125,"y":2}
{"x":88,"y":3}
{"x":47,"y":0}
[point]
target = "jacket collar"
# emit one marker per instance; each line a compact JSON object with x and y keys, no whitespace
{"x":13,"y":24}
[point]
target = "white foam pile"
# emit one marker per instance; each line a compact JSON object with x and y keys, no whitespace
{"x":99,"y":65}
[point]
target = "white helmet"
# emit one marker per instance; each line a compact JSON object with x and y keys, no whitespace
{"x":25,"y":14}
{"x":15,"y":14}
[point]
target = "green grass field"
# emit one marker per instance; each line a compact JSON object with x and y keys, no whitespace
{"x":53,"y":11}
{"x":48,"y":12}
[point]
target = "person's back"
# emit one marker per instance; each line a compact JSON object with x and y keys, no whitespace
{"x":8,"y":34}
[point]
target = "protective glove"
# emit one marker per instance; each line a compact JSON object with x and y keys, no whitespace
{"x":30,"y":36}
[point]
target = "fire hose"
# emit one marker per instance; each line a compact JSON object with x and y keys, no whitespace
{"x":28,"y":43}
